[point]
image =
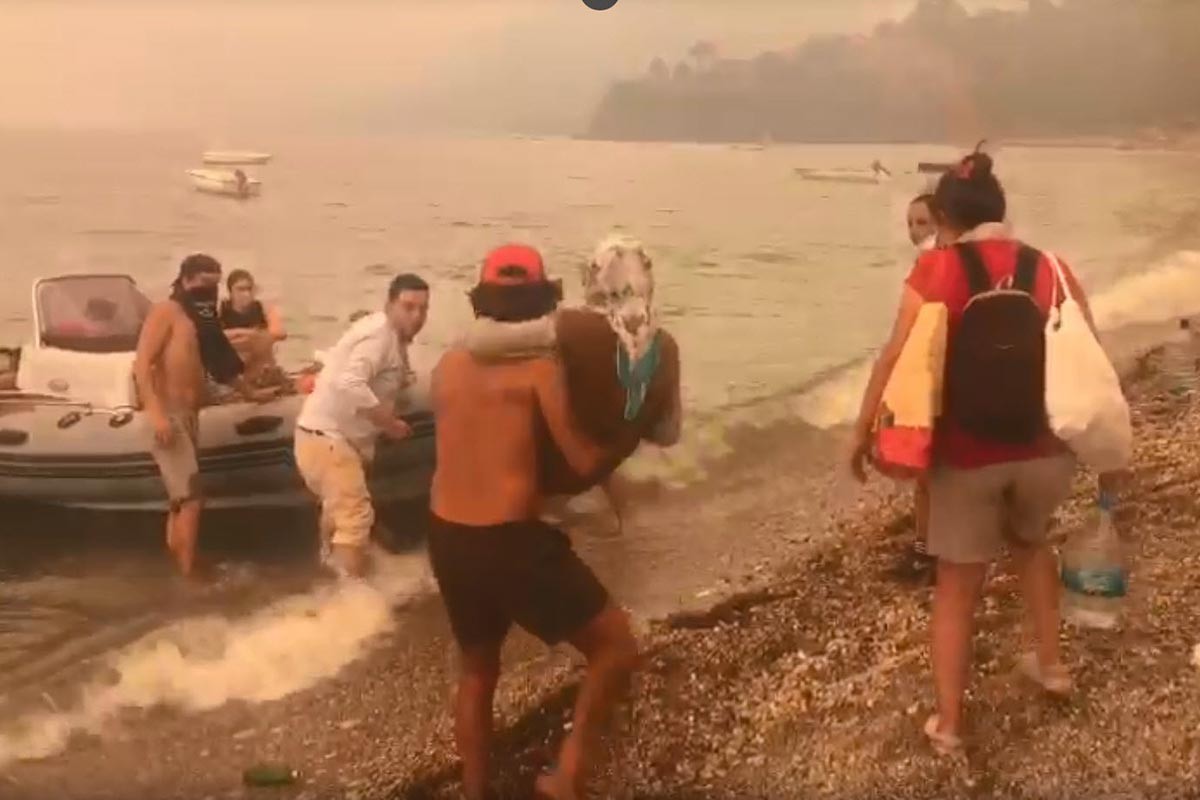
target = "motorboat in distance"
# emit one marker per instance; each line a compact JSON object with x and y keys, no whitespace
{"x":934,"y":167}
{"x":232,"y":183}
{"x":877,"y":173}
{"x":234,"y":157}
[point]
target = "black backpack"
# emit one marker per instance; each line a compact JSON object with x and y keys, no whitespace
{"x":996,"y":379}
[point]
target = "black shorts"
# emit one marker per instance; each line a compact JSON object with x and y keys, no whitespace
{"x":522,"y":572}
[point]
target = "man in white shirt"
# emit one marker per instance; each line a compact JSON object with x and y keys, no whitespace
{"x":353,"y":402}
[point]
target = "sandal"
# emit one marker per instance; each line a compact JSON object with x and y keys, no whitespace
{"x":946,"y":744}
{"x":1056,"y":680}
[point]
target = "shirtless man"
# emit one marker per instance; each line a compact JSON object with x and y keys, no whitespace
{"x":495,"y":560}
{"x":169,"y":370}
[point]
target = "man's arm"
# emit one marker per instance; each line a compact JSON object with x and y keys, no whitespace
{"x":488,"y":338}
{"x":151,"y":341}
{"x":353,"y":384}
{"x":1080,"y":296}
{"x":881,"y":373}
{"x":582,"y":454}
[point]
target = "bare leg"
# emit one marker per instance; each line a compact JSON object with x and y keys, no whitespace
{"x":611,"y":651}
{"x":614,"y":490}
{"x":325,"y":530}
{"x":1039,"y":583}
{"x":954,"y":600}
{"x":480,"y":670}
{"x":349,"y":559}
{"x":921,"y":514}
{"x":172,"y":515}
{"x":183,"y":527}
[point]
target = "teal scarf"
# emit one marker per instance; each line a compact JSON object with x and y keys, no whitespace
{"x":635,"y":377}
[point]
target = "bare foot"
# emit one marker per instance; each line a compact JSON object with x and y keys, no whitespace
{"x":552,"y":786}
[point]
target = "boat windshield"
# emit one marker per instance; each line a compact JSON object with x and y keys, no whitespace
{"x":91,"y":313}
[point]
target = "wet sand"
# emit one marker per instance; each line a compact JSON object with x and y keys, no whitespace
{"x":809,"y":679}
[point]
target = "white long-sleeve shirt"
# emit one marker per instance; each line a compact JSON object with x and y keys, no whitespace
{"x":367,"y":367}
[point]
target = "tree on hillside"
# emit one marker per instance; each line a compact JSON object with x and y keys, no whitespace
{"x":1055,"y":68}
{"x":658,"y":71}
{"x":703,"y":55}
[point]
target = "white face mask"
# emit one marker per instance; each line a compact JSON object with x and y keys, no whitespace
{"x":619,"y":283}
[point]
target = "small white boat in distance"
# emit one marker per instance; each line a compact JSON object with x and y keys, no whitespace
{"x":877,"y":173}
{"x":233,"y":157}
{"x":233,"y":183}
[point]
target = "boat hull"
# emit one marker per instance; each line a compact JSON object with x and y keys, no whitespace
{"x":213,"y":182}
{"x":233,"y":157}
{"x":834,"y":176}
{"x":92,"y":465}
{"x":933,"y":167}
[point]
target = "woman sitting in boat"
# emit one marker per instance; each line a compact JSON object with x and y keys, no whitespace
{"x":252,"y":328}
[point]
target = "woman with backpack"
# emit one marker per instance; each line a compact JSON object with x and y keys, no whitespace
{"x":998,"y":473}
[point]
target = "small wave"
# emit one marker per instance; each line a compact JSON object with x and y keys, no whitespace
{"x":115,"y":232}
{"x":821,"y":403}
{"x":201,"y":663}
{"x":1169,"y":289}
{"x":770,"y":257}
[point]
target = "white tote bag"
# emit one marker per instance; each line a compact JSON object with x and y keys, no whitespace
{"x":1084,"y":401}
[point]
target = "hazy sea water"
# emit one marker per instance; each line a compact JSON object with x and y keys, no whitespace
{"x":778,"y":290}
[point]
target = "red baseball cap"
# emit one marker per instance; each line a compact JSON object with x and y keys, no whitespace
{"x":513,"y":265}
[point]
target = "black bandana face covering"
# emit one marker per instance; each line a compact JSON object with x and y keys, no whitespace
{"x":220,"y":360}
{"x":204,"y":299}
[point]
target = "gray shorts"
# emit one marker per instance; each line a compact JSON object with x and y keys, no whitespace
{"x":973,"y":512}
{"x":177,"y":462}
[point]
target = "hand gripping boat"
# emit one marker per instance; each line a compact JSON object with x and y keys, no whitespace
{"x":72,"y":433}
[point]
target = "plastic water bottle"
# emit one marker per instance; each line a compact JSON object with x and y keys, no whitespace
{"x":1093,"y":575}
{"x":1180,"y":355}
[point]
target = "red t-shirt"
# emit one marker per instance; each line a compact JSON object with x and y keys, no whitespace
{"x":939,"y":277}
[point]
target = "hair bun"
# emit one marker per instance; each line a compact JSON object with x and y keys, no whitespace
{"x":983,"y":165}
{"x":974,"y":167}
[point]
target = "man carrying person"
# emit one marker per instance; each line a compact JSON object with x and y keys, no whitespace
{"x":495,"y":560}
{"x":180,"y":342}
{"x":353,"y":402}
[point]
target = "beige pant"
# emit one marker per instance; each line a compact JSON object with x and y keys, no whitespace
{"x":335,"y":472}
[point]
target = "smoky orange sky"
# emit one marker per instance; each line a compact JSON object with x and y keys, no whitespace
{"x":221,"y":67}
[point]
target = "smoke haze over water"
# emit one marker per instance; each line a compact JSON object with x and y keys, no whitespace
{"x":367,"y":66}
